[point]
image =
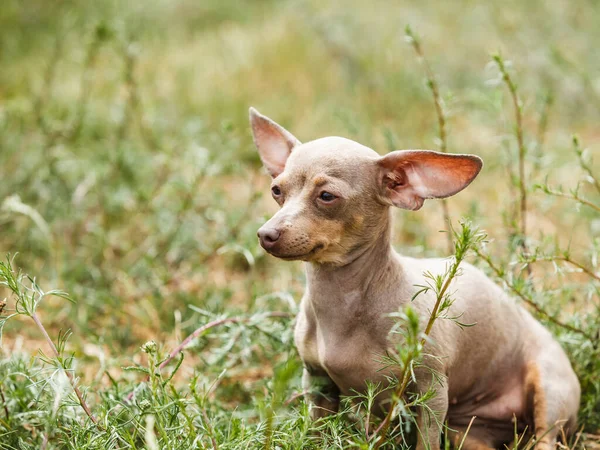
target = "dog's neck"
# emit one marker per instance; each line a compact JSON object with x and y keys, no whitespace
{"x":363,"y":276}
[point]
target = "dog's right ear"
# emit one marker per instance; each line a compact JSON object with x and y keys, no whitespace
{"x":274,"y":143}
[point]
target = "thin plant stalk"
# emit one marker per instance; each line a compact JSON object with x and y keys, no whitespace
{"x":70,"y":376}
{"x":512,"y":88}
{"x":133,"y":107}
{"x":441,"y":118}
{"x":4,"y":403}
{"x":464,"y":242}
{"x":215,"y":323}
{"x":211,"y":431}
{"x":568,"y":260}
{"x":498,"y":272}
{"x":572,"y":196}
{"x":27,"y":305}
{"x":41,"y":100}
{"x":584,"y":165}
{"x":383,"y":428}
{"x":86,"y":80}
{"x":462,"y":442}
{"x":543,"y":128}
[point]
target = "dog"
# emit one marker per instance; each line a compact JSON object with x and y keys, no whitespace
{"x":335,"y":197}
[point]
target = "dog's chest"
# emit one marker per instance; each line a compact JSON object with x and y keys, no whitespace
{"x":344,"y":338}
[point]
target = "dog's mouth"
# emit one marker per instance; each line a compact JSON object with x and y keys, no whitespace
{"x":301,"y":256}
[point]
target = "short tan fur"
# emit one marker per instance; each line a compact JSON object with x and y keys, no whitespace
{"x":335,"y":196}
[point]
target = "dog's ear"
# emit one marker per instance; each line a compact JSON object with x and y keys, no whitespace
{"x":408,"y":177}
{"x":274,"y":143}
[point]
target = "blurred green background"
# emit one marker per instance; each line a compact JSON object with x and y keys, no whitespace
{"x":128,"y":176}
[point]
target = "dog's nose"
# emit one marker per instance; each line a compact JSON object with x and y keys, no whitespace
{"x":268,"y":237}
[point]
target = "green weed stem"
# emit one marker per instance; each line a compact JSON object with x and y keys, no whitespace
{"x":39,"y":103}
{"x":133,"y":105}
{"x":216,"y":323}
{"x":572,"y":196}
{"x":464,"y":242}
{"x":499,"y":273}
{"x":85,"y":83}
{"x":69,"y":375}
{"x":584,"y":165}
{"x":208,"y":326}
{"x":27,"y":305}
{"x":4,"y":403}
{"x":543,"y":128}
{"x":441,"y":117}
{"x":210,"y":430}
{"x":568,"y":260}
{"x":512,"y":88}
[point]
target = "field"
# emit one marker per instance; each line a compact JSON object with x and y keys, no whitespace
{"x":129,"y":181}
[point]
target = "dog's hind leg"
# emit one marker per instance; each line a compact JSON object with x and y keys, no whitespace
{"x":553,"y":397}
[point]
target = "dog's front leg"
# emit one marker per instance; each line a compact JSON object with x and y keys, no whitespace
{"x":323,"y":393}
{"x":431,"y":416}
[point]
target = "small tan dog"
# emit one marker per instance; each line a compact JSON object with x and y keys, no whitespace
{"x":335,"y":197}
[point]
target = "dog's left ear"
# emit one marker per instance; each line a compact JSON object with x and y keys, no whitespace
{"x":408,"y":177}
{"x":274,"y":143}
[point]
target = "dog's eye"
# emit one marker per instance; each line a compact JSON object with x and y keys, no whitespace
{"x":276,"y":191}
{"x":327,"y":196}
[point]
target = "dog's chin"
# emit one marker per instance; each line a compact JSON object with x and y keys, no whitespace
{"x":308,"y":256}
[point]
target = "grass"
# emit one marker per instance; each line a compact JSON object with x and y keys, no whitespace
{"x":129,"y":180}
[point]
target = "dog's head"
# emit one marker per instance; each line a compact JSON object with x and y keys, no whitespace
{"x":334,"y":193}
